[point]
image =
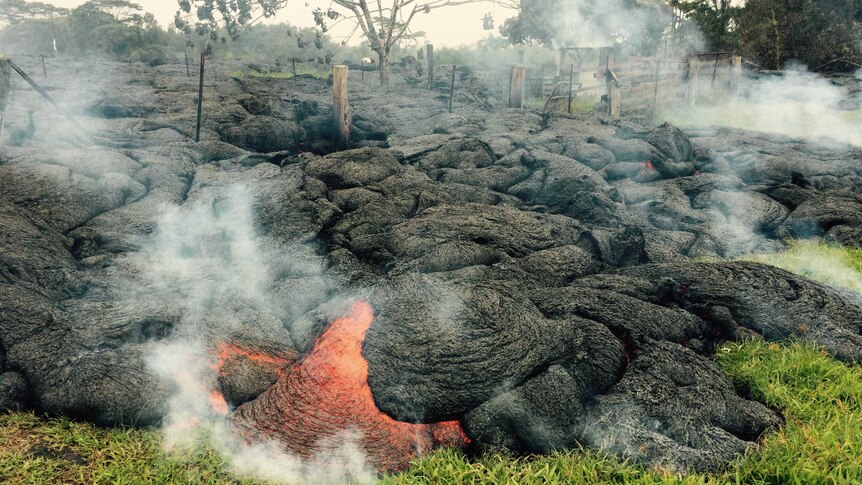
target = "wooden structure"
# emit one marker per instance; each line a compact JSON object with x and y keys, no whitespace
{"x":200,"y":99}
{"x":5,"y":88}
{"x":340,"y":106}
{"x":579,"y":70}
{"x":614,"y":85}
{"x":713,"y":74}
{"x":516,"y":87}
{"x":429,"y":54}
{"x":636,"y":86}
{"x":452,"y":88}
{"x":648,"y":83}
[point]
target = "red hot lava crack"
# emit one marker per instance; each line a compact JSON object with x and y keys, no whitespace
{"x":325,"y":394}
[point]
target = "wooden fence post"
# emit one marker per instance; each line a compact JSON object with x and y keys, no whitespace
{"x":521,"y":55}
{"x":693,"y":75}
{"x":340,"y":106}
{"x":452,"y":88}
{"x":293,"y":60}
{"x":541,"y":91}
{"x":188,"y":71}
{"x":614,"y":92}
{"x":714,"y":70}
{"x":560,"y":62}
{"x":516,"y":87}
{"x":571,"y":86}
{"x":429,"y":54}
{"x":655,"y":91}
{"x":5,"y":88}
{"x":44,"y":68}
{"x":200,"y":99}
{"x":735,"y":74}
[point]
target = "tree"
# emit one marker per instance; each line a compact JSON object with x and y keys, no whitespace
{"x":822,"y":34}
{"x":716,"y":19}
{"x":100,"y":12}
{"x":210,"y":18}
{"x":636,"y":24}
{"x":13,"y":12}
{"x":383,"y":26}
{"x":118,"y":28}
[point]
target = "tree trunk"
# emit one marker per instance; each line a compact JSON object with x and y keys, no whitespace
{"x":383,"y":67}
{"x":777,"y":41}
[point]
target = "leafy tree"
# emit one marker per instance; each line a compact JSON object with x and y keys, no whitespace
{"x":31,"y":26}
{"x":383,"y":25}
{"x":211,"y":18}
{"x":13,"y":12}
{"x":822,"y":34}
{"x":717,"y":20}
{"x":112,"y":26}
{"x":262,"y":43}
{"x":635,"y":24}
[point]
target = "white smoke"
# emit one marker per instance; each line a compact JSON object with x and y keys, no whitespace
{"x":796,"y":103}
{"x":207,"y":261}
{"x":604,"y":23}
{"x":817,"y":261}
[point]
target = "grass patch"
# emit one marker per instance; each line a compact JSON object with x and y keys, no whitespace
{"x":280,"y":75}
{"x":821,"y":442}
{"x":38,"y":451}
{"x":820,"y":397}
{"x":829,"y":264}
{"x":579,"y":105}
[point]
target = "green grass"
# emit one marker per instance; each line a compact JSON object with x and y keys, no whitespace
{"x":579,"y":105}
{"x":821,"y":262}
{"x":820,"y":397}
{"x":280,"y":75}
{"x":37,"y":450}
{"x":821,"y":442}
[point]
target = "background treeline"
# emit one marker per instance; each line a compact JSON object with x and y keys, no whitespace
{"x":825,"y":35}
{"x":822,"y":34}
{"x":123,"y":30}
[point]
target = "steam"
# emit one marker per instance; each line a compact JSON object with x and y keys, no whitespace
{"x":796,"y":103}
{"x":206,"y":260}
{"x":806,"y":106}
{"x":817,"y":261}
{"x":603,"y":23}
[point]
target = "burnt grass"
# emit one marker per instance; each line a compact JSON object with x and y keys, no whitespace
{"x":540,"y":278}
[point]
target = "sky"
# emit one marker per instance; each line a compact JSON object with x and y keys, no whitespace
{"x":448,"y":26}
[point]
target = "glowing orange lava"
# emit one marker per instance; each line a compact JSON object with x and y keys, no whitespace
{"x":326,"y":393}
{"x":218,"y":403}
{"x":226,"y":352}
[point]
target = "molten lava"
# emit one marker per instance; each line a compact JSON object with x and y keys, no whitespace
{"x":325,"y":393}
{"x":218,"y":403}
{"x":226,"y":352}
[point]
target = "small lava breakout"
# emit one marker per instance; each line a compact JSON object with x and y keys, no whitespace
{"x":323,"y":399}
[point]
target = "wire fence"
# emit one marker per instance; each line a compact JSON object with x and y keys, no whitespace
{"x":638,"y":86}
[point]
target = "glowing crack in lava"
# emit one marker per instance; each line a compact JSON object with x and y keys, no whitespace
{"x":225,"y":352}
{"x":325,"y":393}
{"x":232,"y":358}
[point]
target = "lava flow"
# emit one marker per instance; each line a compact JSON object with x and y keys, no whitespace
{"x":226,"y":352}
{"x":325,"y":393}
